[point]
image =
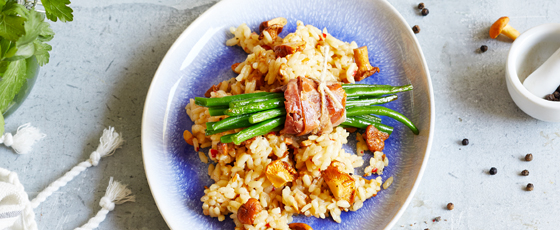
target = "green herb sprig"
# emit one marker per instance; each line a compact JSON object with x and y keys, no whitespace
{"x":24,"y":35}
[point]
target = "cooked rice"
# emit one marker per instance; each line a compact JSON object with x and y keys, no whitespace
{"x":239,"y":174}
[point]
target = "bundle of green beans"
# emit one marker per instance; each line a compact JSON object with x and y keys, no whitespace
{"x":263,"y":112}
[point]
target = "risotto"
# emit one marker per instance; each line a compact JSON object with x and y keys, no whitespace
{"x":265,"y":180}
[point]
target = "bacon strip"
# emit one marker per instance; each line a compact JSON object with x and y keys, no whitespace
{"x":337,"y":115}
{"x":311,"y":105}
{"x":294,"y":117}
{"x":304,"y":110}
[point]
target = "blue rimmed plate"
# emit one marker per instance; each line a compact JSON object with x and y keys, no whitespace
{"x":199,"y":58}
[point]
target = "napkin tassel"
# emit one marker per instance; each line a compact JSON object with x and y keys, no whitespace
{"x":116,"y":193}
{"x":109,"y":142}
{"x":24,"y":139}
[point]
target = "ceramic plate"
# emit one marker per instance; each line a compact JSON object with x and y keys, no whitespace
{"x":200,"y":58}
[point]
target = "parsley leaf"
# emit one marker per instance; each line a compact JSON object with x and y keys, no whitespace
{"x":58,"y":9}
{"x":42,"y":52}
{"x":37,"y":31}
{"x":12,"y":81}
{"x":11,"y":27}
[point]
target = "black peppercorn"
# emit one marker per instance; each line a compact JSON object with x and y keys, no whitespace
{"x":450,"y":206}
{"x":416,"y":29}
{"x":525,"y":172}
{"x":493,"y":171}
{"x":484,"y":48}
{"x":530,"y":187}
{"x":550,"y":97}
{"x":421,"y":5}
{"x":425,"y":11}
{"x":529,"y":157}
{"x":465,"y":141}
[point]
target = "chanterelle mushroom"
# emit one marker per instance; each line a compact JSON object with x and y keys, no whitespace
{"x":288,"y":48}
{"x":341,"y":184}
{"x":375,"y":139}
{"x":273,"y":27}
{"x":247,"y":213}
{"x":279,"y":173}
{"x":362,"y":61}
{"x":299,"y":226}
{"x":501,"y":26}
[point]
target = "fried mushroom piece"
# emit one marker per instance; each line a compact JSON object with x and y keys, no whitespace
{"x":273,"y":27}
{"x":214,"y":88}
{"x":362,"y":61}
{"x":222,"y":148}
{"x":375,"y":139}
{"x":247,"y":212}
{"x":279,"y":173}
{"x":341,"y":184}
{"x":299,"y":226}
{"x":288,"y":48}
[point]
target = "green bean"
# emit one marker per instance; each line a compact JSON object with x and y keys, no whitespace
{"x":351,"y":98}
{"x":361,"y":123}
{"x":227,"y":138}
{"x":217,"y":111}
{"x":265,"y":115}
{"x":256,"y":107}
{"x":371,"y":118}
{"x":352,"y":122}
{"x":258,"y":129}
{"x":210,"y":132}
{"x":200,"y":101}
{"x":382,"y":111}
{"x":372,"y":101}
{"x":352,"y":86}
{"x":256,"y":99}
{"x":232,"y":122}
{"x":209,"y":125}
{"x":377,"y":91}
{"x":227,"y":99}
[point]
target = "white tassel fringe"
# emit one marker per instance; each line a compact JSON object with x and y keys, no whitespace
{"x":24,"y":139}
{"x":109,"y":142}
{"x":116,"y":193}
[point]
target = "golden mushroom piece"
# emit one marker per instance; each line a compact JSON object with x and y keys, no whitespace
{"x":501,"y":26}
{"x":341,"y":184}
{"x":279,"y":173}
{"x":299,"y":226}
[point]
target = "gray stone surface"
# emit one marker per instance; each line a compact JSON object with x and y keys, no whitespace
{"x":102,"y":64}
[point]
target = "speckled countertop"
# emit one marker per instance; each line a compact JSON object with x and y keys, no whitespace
{"x":103,"y":62}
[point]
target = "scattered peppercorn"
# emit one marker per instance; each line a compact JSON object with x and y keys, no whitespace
{"x":484,"y":48}
{"x":416,"y":29}
{"x":425,"y":12}
{"x":465,"y":141}
{"x":530,"y":187}
{"x":550,"y":97}
{"x":493,"y":171}
{"x":529,"y":157}
{"x":555,"y":96}
{"x":437,"y":219}
{"x":421,"y":5}
{"x":525,"y":172}
{"x":450,"y":206}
